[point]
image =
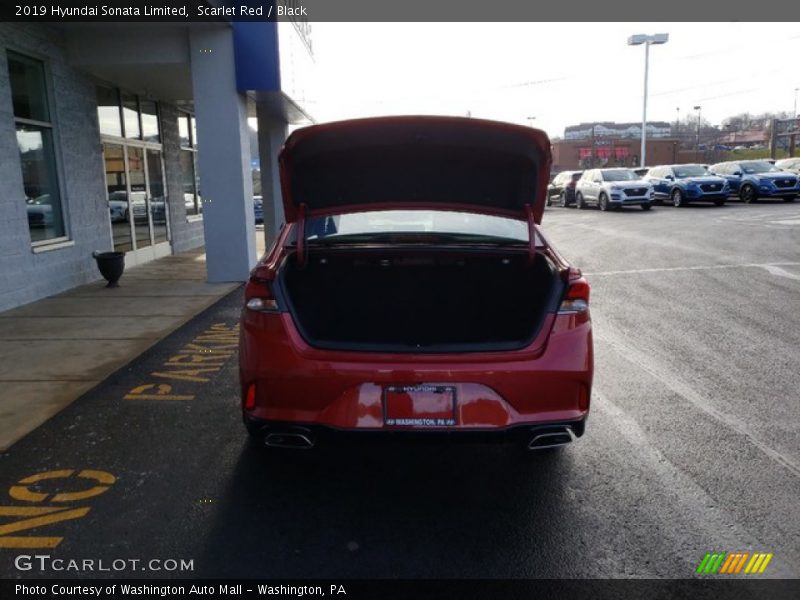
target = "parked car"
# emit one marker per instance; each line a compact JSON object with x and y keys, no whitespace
{"x":681,"y":184}
{"x":791,"y":165}
{"x":40,"y":211}
{"x":613,"y":188}
{"x":642,"y":171}
{"x":754,"y":179}
{"x":258,"y":208}
{"x":412,"y":291}
{"x":118,"y":206}
{"x":562,"y":188}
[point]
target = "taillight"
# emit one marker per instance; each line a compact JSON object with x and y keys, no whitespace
{"x":250,"y":397}
{"x":576,"y":300}
{"x":258,"y":296}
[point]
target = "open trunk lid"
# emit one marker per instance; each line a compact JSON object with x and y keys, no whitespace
{"x":421,"y":162}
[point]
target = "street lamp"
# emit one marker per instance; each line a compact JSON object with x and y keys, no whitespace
{"x":637,"y":40}
{"x":697,"y":133}
{"x":531,"y":119}
{"x":795,"y":102}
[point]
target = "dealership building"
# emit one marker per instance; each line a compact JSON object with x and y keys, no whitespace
{"x":135,"y":137}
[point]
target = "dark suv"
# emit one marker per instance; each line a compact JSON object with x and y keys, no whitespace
{"x":562,"y":188}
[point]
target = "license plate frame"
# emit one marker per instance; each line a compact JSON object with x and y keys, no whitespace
{"x":444,"y":417}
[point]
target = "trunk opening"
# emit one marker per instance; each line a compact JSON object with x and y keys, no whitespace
{"x":393,"y":301}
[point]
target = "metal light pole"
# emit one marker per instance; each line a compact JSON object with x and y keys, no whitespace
{"x":531,"y":119}
{"x":637,"y":40}
{"x":795,"y":102}
{"x":697,"y":134}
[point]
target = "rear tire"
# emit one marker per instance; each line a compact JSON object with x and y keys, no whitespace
{"x":748,"y":194}
{"x":647,"y":206}
{"x":579,"y":203}
{"x":677,"y":198}
{"x":602,"y":202}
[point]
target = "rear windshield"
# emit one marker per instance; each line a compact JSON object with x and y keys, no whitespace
{"x":449,"y":226}
{"x":619,"y":175}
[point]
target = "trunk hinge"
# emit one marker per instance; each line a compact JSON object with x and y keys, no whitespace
{"x":301,"y":236}
{"x":531,"y":233}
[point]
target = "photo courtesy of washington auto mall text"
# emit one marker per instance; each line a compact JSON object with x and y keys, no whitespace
{"x":119,"y":590}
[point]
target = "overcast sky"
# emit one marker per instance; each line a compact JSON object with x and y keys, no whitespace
{"x":561,"y":74}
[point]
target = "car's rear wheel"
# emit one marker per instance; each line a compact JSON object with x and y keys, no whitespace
{"x":579,"y":203}
{"x":647,"y":206}
{"x":677,"y":198}
{"x":603,"y":202}
{"x":748,"y":194}
{"x":719,"y":202}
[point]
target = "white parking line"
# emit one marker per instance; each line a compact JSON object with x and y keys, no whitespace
{"x":775,"y":270}
{"x":767,"y":266}
{"x":672,"y":381}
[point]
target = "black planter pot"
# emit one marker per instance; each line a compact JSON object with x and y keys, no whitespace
{"x":111,"y":266}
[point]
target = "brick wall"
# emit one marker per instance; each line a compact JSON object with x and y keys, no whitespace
{"x":24,"y":275}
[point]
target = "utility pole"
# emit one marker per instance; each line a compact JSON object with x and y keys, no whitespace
{"x":697,"y":134}
{"x":647,"y":40}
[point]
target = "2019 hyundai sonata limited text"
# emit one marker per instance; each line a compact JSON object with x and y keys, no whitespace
{"x":412,"y":290}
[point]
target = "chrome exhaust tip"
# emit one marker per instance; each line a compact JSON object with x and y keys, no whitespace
{"x":552,"y":439}
{"x":289,"y":439}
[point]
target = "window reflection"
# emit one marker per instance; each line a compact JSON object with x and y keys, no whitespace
{"x":108,"y":111}
{"x":35,"y":144}
{"x":130,"y":116}
{"x":149,"y":121}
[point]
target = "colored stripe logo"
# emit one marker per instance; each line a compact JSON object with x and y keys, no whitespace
{"x":734,"y":563}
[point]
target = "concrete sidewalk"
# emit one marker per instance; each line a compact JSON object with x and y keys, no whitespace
{"x":54,"y":350}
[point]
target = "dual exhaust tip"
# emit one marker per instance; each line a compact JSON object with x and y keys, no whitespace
{"x":299,"y":439}
{"x":554,"y":438}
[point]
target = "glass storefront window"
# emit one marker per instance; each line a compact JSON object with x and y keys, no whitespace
{"x":189,"y":182}
{"x":157,"y":199}
{"x":36,"y":147}
{"x":108,"y":111}
{"x":28,"y":89}
{"x":138,"y":196}
{"x":149,"y":121}
{"x":117,"y":188}
{"x":130,"y":116}
{"x":42,"y":197}
{"x":183,"y":131}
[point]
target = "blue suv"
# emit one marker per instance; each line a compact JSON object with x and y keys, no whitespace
{"x":681,"y":184}
{"x":754,"y":179}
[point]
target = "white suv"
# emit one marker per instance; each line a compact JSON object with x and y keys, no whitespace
{"x":613,"y":188}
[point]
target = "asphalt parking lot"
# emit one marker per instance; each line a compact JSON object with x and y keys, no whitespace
{"x":693,"y":444}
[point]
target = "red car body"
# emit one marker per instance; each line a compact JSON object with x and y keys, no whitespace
{"x":300,"y":382}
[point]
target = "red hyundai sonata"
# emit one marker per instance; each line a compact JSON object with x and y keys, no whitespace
{"x":411,"y":290}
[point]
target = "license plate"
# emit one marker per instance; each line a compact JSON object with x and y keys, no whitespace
{"x":419,"y":406}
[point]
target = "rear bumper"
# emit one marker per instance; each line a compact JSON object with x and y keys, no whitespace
{"x":330,"y":436}
{"x":550,"y":382}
